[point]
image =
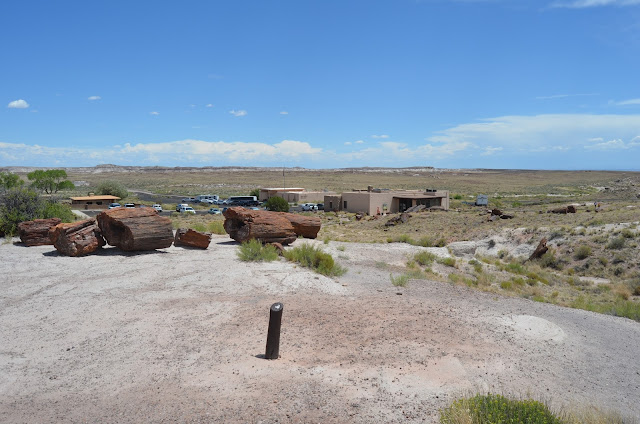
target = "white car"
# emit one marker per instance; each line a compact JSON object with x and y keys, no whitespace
{"x":188,"y":209}
{"x":157,"y":207}
{"x":180,"y":206}
{"x":309,"y":207}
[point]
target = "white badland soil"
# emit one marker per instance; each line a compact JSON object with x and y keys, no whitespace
{"x":177,"y":335}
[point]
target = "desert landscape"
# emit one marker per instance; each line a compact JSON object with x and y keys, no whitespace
{"x":442,"y":306}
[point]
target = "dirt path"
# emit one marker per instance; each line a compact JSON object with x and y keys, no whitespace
{"x":177,"y":335}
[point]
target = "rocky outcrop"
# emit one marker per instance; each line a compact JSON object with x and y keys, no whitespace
{"x":77,"y":238}
{"x":269,"y":227}
{"x":36,"y":232}
{"x":191,"y":238}
{"x":563,"y":210}
{"x":305,"y":226}
{"x":132,"y":229}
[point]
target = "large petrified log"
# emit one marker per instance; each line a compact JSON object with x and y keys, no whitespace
{"x":191,"y":238}
{"x":269,"y":227}
{"x":135,"y":228}
{"x":540,"y":250}
{"x":36,"y":232}
{"x":563,"y":210}
{"x":400,"y":219}
{"x":77,"y":238}
{"x":305,"y":226}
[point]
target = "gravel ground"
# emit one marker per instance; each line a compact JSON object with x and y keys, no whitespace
{"x":178,"y":335}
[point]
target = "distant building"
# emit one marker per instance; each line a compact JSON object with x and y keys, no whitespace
{"x":293,"y":194}
{"x":375,"y":200}
{"x":93,"y":202}
{"x":482,"y":200}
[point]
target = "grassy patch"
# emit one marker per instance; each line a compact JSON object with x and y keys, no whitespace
{"x":491,"y":408}
{"x":314,"y":258}
{"x":216,"y":227}
{"x":447,"y":262}
{"x":424,"y":258}
{"x":620,"y":308}
{"x":255,"y":251}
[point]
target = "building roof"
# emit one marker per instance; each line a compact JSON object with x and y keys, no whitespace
{"x":283,"y":189}
{"x":104,"y":197}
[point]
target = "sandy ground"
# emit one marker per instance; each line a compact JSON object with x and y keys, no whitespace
{"x":177,"y":336}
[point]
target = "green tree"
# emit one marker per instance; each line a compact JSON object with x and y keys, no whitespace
{"x":50,"y":181}
{"x":18,"y":205}
{"x":255,"y":192}
{"x":277,"y":204}
{"x":9,"y":180}
{"x":112,"y":188}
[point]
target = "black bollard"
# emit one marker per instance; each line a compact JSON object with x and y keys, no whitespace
{"x":273,"y":335}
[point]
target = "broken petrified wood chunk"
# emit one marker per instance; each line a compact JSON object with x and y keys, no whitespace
{"x":540,"y":250}
{"x":36,"y":232}
{"x":400,"y":219}
{"x":305,"y":226}
{"x":245,"y":224}
{"x":135,"y":229}
{"x":191,"y":238}
{"x":77,"y":238}
{"x":496,"y":212}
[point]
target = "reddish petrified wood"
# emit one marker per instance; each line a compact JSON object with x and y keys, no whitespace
{"x":36,"y":232}
{"x":191,"y":238}
{"x":305,"y":226}
{"x":540,"y":250}
{"x":135,"y":228}
{"x":77,"y":238}
{"x":269,"y":227}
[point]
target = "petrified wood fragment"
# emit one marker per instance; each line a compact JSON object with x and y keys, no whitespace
{"x":305,"y":226}
{"x":191,"y":238}
{"x":133,"y":229}
{"x":36,"y":232}
{"x":269,"y":227}
{"x":77,"y":238}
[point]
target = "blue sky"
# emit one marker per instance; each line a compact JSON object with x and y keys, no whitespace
{"x":547,"y":84}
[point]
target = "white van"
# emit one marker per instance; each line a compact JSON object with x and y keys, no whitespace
{"x":207,"y":198}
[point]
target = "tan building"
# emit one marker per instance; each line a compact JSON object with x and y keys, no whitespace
{"x":93,"y":202}
{"x":294,"y":195}
{"x":373,"y":201}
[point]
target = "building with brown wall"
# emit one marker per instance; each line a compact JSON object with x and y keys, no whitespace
{"x":293,"y":195}
{"x":93,"y":202}
{"x":373,"y":201}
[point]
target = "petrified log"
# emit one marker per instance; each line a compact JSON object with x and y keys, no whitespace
{"x":191,"y":238}
{"x":400,"y":219}
{"x":506,"y":216}
{"x":36,"y":232}
{"x":496,"y":212}
{"x":269,"y":227}
{"x":540,"y":250}
{"x":563,"y":210}
{"x":571,"y":209}
{"x":135,"y":228}
{"x":77,"y":238}
{"x":279,"y":248}
{"x":305,"y":226}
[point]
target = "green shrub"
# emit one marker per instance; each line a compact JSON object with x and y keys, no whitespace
{"x":57,"y":210}
{"x":199,"y":226}
{"x":582,"y":252}
{"x":515,"y":268}
{"x":216,"y":227}
{"x":424,"y":258}
{"x":399,"y":281}
{"x":254,"y":251}
{"x":549,"y":260}
{"x":490,"y":408}
{"x":616,"y":243}
{"x":457,"y":196}
{"x":314,"y":258}
{"x":112,"y":188}
{"x":20,"y":204}
{"x":277,"y":204}
{"x":506,"y":285}
{"x":447,"y":261}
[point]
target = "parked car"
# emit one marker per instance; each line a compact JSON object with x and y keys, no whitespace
{"x":309,"y":207}
{"x":215,"y":211}
{"x":114,"y":205}
{"x":180,"y":206}
{"x":129,"y":205}
{"x":209,"y":201}
{"x":188,"y":199}
{"x":188,"y":209}
{"x":320,"y":206}
{"x":254,"y":208}
{"x":157,"y":207}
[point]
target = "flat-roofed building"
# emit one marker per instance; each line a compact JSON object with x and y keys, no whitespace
{"x":294,"y":195}
{"x":374,"y":200}
{"x":93,"y":202}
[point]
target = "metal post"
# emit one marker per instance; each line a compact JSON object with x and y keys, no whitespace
{"x":273,"y":335}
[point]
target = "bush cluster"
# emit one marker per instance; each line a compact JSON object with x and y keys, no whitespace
{"x":19,"y":204}
{"x":254,"y":251}
{"x":112,"y":188}
{"x":314,"y":258}
{"x":277,"y":204}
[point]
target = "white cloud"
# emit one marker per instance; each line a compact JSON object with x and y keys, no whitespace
{"x":628,"y":102}
{"x":488,"y":151}
{"x":540,"y":133}
{"x":616,"y":144}
{"x":581,"y":4}
{"x":92,"y":98}
{"x":154,"y":113}
{"x":380,"y":136}
{"x":18,"y":104}
{"x":359,"y":141}
{"x":347,"y":143}
{"x":562,"y":96}
{"x":284,"y":112}
{"x":238,"y":112}
{"x":209,"y":105}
